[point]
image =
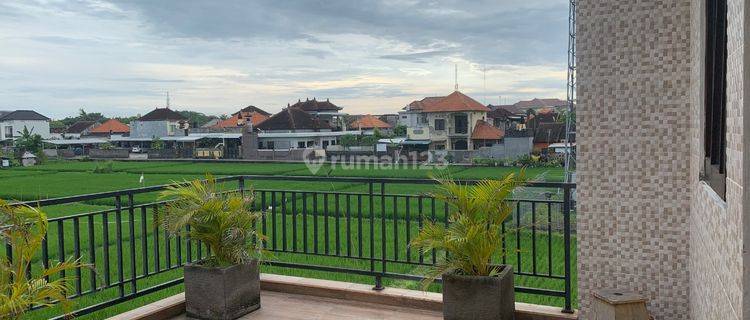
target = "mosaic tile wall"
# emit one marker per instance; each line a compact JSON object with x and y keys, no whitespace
{"x":646,"y":223}
{"x":634,"y":165}
{"x":716,"y":226}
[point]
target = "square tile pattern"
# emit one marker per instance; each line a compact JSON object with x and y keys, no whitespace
{"x":645,"y":222}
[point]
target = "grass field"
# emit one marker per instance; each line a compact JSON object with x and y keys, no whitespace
{"x":58,"y":179}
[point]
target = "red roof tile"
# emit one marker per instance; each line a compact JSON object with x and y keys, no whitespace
{"x":111,"y":126}
{"x":240,"y":118}
{"x":369,"y":122}
{"x":485,"y":131}
{"x":454,"y":102}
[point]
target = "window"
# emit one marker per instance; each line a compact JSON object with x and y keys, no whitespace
{"x":714,"y":168}
{"x":8,"y":132}
{"x":439,"y":124}
{"x":270,"y":145}
{"x":300,"y":144}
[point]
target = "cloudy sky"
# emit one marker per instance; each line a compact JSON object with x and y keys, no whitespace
{"x":120,"y":58}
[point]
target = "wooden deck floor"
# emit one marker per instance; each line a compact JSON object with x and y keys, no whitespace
{"x":285,"y":306}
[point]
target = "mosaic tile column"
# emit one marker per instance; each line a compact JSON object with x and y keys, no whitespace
{"x":634,"y":130}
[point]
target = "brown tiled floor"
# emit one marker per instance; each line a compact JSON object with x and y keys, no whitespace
{"x":275,"y":305}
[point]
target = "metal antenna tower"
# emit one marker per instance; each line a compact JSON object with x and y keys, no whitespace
{"x":456,"y":76}
{"x":570,"y":157}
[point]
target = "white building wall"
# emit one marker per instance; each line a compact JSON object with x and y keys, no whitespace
{"x":40,"y":127}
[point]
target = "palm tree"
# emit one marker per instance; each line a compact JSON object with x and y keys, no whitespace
{"x":473,"y":235}
{"x":24,"y":228}
{"x":222,"y":220}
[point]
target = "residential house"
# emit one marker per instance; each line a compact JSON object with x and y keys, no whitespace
{"x":369,"y":123}
{"x":13,"y":122}
{"x":485,"y":135}
{"x":389,"y":118}
{"x":547,"y":133}
{"x":293,"y":128}
{"x":409,"y":116}
{"x":161,"y":122}
{"x":326,"y":111}
{"x":448,"y":122}
{"x":79,"y":129}
{"x":109,"y":128}
{"x":249,"y":115}
{"x":504,"y":119}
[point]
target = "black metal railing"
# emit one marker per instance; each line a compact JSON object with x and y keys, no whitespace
{"x":359,"y":228}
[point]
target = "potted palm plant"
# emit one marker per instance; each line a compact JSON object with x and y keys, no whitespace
{"x":473,"y":287}
{"x":226,"y":284}
{"x":24,"y":228}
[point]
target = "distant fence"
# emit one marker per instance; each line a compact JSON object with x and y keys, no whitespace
{"x":364,"y":232}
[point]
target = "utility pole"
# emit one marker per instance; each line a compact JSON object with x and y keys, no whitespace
{"x":570,"y":157}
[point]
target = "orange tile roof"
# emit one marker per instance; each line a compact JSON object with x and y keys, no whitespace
{"x":420,"y":104}
{"x":111,"y":126}
{"x":369,"y":122}
{"x":239,"y":119}
{"x":485,"y":131}
{"x":455,"y":102}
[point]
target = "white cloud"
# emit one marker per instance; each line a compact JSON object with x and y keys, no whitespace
{"x":120,"y":58}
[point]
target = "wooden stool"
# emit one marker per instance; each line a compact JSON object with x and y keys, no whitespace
{"x":611,"y":304}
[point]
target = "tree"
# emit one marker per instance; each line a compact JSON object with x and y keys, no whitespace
{"x":157,"y":144}
{"x":347,"y":141}
{"x":196,"y":118}
{"x":399,"y":130}
{"x":29,"y":141}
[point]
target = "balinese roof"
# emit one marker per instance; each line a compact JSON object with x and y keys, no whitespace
{"x":80,"y":126}
{"x":509,"y":107}
{"x":499,"y":113}
{"x":21,"y":115}
{"x":536,"y":103}
{"x":111,"y":126}
{"x":162,"y":114}
{"x":250,"y":109}
{"x":292,"y":118}
{"x":485,"y":131}
{"x":369,"y":122}
{"x":315,"y":105}
{"x":549,"y":132}
{"x":239,"y":119}
{"x":534,"y":121}
{"x":455,"y":102}
{"x":420,"y":104}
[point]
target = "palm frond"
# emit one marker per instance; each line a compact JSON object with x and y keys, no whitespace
{"x":473,"y":237}
{"x":222,"y":220}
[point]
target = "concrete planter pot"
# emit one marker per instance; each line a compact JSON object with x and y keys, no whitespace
{"x":479,"y":298}
{"x":221,"y":293}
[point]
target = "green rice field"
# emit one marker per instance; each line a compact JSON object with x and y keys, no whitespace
{"x":285,"y":226}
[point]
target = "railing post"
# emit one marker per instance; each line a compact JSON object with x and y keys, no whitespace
{"x":566,"y":236}
{"x":378,"y":283}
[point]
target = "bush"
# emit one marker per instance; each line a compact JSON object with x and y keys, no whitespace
{"x":529,"y":161}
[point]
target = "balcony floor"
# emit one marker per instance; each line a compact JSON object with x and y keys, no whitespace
{"x":278,"y":305}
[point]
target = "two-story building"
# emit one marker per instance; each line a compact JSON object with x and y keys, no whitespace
{"x":447,"y":122}
{"x":293,"y":128}
{"x":327,"y":112}
{"x":159,"y":123}
{"x":13,"y":122}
